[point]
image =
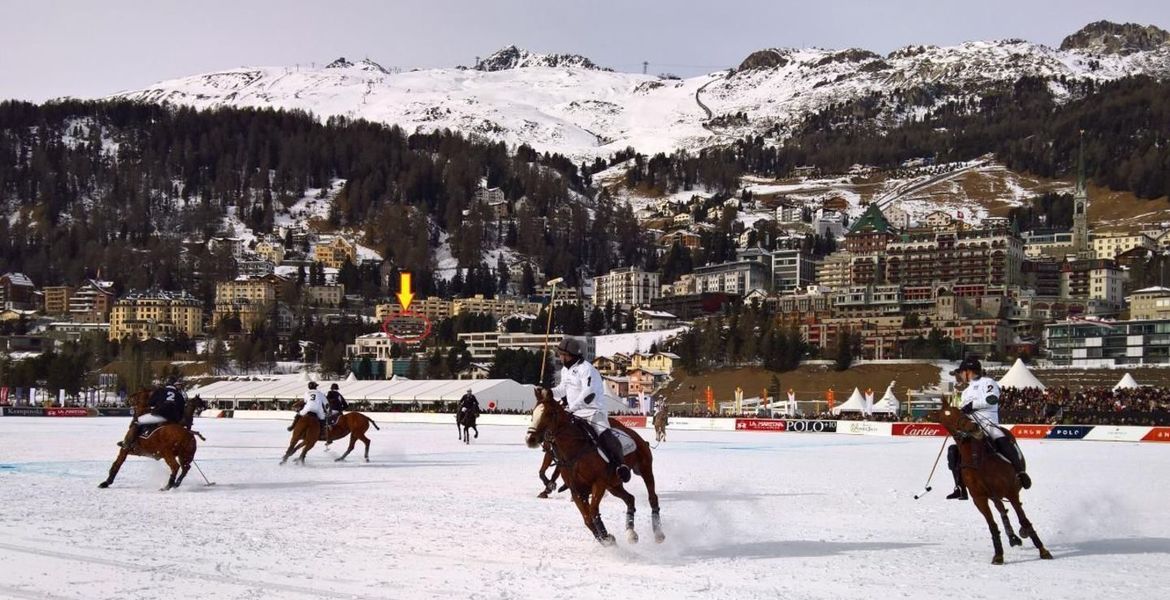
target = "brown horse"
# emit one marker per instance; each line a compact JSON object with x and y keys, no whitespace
{"x":305,"y":434}
{"x":660,"y":421}
{"x":586,"y":473}
{"x":355,"y":425}
{"x":173,"y":442}
{"x":988,"y":478}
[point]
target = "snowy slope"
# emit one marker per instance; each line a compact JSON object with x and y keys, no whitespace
{"x":564,"y":103}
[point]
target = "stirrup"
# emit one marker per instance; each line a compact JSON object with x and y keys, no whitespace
{"x":623,"y":473}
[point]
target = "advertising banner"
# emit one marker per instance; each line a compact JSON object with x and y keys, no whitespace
{"x":760,"y":425}
{"x":919,"y":429}
{"x":66,"y":412}
{"x":865,"y":427}
{"x":1030,"y":432}
{"x":1115,"y":433}
{"x":630,"y":421}
{"x":23,"y":411}
{"x":1157,"y":434}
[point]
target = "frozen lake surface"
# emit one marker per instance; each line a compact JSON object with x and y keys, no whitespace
{"x":746,"y":515}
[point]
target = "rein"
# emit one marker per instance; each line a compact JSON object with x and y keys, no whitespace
{"x":550,"y":435}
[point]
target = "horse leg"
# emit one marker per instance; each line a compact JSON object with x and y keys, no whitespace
{"x":1026,"y":528}
{"x":984,"y":508}
{"x":1013,"y":539}
{"x":304,"y":451}
{"x":292,"y":447}
{"x":476,"y":431}
{"x":115,"y":467}
{"x":647,"y":472}
{"x":549,"y":484}
{"x":628,"y":498}
{"x":366,"y":441}
{"x":583,"y":508}
{"x":603,"y":536}
{"x":352,"y":443}
{"x":174,"y":465}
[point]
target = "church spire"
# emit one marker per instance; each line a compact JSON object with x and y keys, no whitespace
{"x":1080,"y":237}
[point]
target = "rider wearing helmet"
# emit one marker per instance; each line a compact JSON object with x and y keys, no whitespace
{"x":337,"y":405}
{"x":315,"y":403}
{"x":166,"y":406}
{"x":582,"y":391}
{"x":980,"y":402}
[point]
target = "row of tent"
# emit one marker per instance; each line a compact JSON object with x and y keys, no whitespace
{"x":858,"y":402}
{"x":1020,"y":377}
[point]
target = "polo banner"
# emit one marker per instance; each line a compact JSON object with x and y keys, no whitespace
{"x":1069,"y":432}
{"x":811,"y":426}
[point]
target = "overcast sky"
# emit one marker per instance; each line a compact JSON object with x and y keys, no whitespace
{"x":88,"y":48}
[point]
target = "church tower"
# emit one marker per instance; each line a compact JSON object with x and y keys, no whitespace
{"x":1080,"y":238}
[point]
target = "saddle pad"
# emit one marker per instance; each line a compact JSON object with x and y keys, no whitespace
{"x":628,"y":445}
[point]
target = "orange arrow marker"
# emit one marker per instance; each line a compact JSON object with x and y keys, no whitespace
{"x":404,"y":293}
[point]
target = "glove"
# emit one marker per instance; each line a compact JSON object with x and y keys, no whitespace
{"x":967,"y":409}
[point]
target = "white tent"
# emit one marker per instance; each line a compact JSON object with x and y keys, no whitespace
{"x":1127,"y":382}
{"x":351,"y":377}
{"x":855,"y":403}
{"x":888,"y":403}
{"x":1019,"y":377}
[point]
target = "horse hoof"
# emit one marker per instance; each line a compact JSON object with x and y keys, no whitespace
{"x":659,"y":537}
{"x":632,"y":536}
{"x":104,"y":484}
{"x":1015,"y":541}
{"x":998,"y":560}
{"x":608,"y":540}
{"x":339,"y":459}
{"x":1045,"y":554}
{"x":540,"y":495}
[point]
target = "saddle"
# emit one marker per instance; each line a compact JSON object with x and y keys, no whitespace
{"x":628,"y":445}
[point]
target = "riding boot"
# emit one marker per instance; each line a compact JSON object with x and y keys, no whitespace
{"x":1005,"y":447}
{"x":960,"y":492}
{"x":296,"y":417}
{"x":612,"y":447}
{"x":131,"y":435}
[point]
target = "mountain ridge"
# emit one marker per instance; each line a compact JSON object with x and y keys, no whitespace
{"x":565,"y":104}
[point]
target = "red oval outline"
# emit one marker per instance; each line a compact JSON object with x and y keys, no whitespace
{"x":407,"y":339}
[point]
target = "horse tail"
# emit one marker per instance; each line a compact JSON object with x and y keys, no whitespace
{"x":372,"y":422}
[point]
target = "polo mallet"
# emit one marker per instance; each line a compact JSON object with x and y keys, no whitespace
{"x":205,"y":479}
{"x":931,"y":476}
{"x":548,"y":326}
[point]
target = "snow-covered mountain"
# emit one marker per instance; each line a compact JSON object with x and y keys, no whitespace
{"x":564,"y":103}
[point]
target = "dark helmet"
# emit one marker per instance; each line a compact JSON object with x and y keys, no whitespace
{"x":570,"y":346}
{"x":173,"y":380}
{"x":333,"y":387}
{"x":969,"y":364}
{"x":312,"y":385}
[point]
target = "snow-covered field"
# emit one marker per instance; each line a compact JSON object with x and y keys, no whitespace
{"x":747,"y":515}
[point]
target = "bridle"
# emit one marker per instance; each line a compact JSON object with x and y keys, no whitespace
{"x":548,"y":435}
